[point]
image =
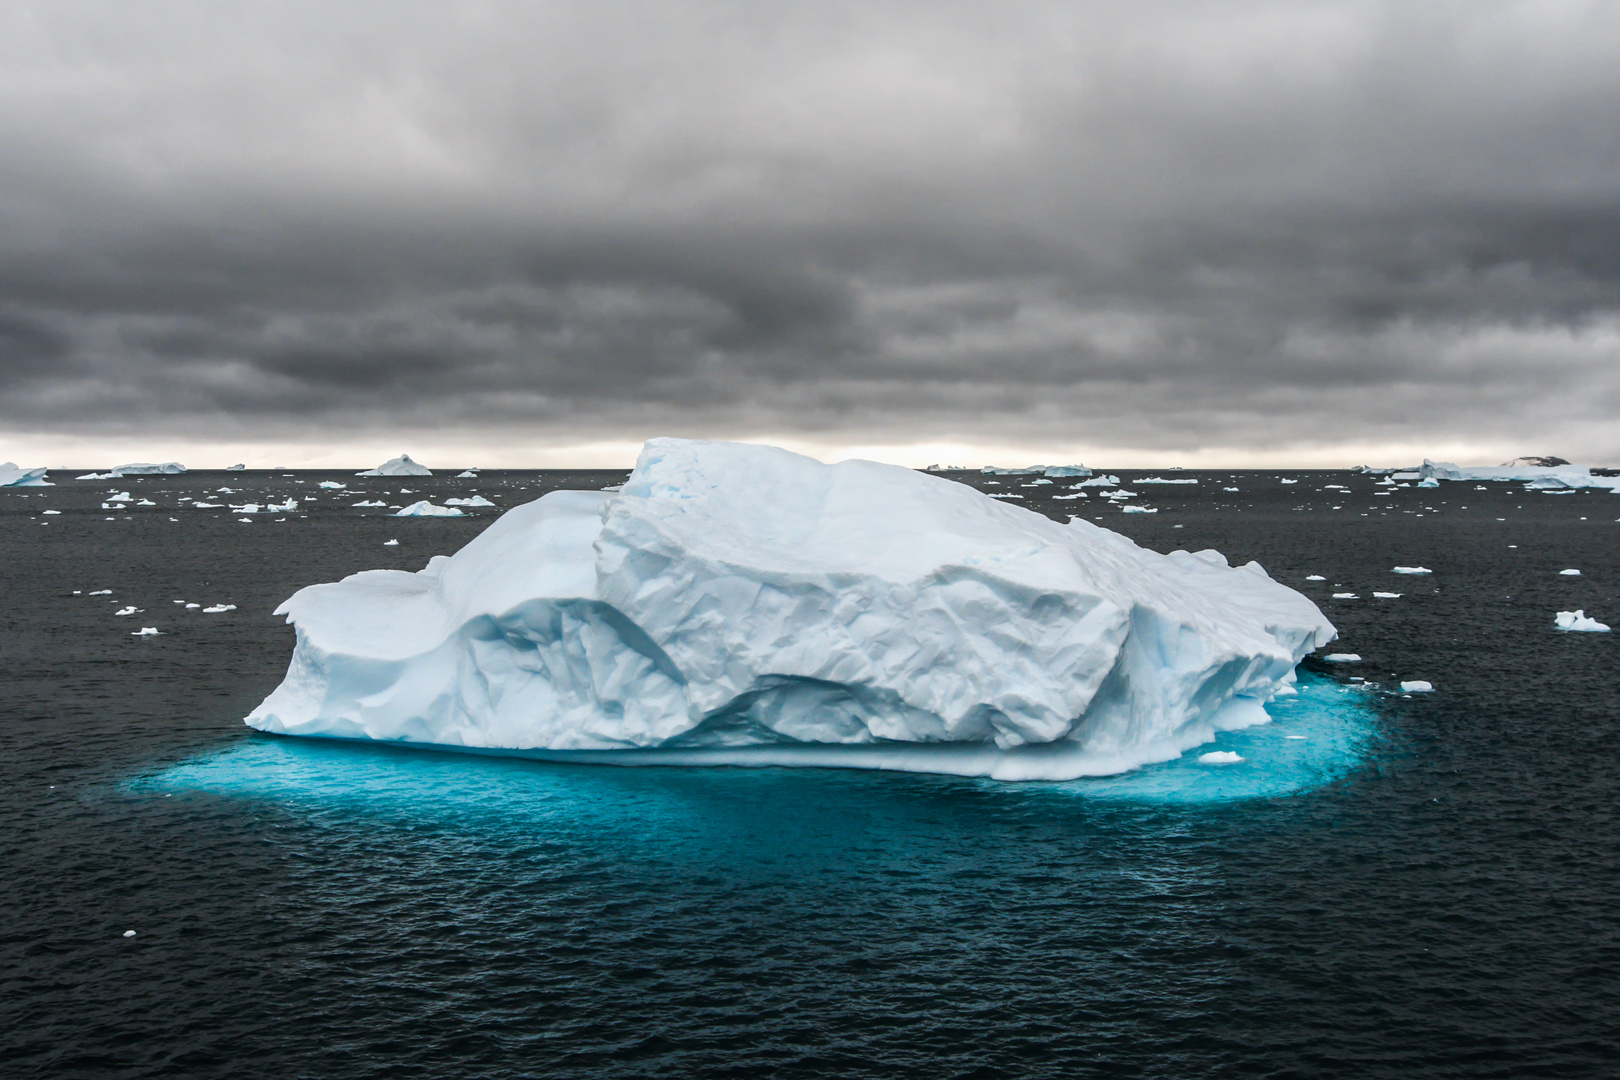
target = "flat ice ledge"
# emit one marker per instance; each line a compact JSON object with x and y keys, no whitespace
{"x":740,"y":598}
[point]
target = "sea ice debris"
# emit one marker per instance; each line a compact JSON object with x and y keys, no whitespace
{"x":1343,"y":658}
{"x":1314,"y":577}
{"x":333,"y":485}
{"x":1569,"y":573}
{"x":1410,"y":570}
{"x":145,"y":631}
{"x":1345,"y":596}
{"x":1138,"y":510}
{"x":1577,"y":620}
{"x":1387,"y":595}
{"x":217,"y":608}
{"x":423,"y":508}
{"x":1220,"y":757}
{"x":1416,"y":686}
{"x":476,"y":500}
{"x":131,"y":610}
{"x":369,"y":502}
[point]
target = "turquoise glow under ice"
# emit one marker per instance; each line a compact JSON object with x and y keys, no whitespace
{"x":1313,"y":740}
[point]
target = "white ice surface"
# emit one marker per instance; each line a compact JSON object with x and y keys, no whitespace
{"x":423,"y":508}
{"x":476,"y":500}
{"x":1577,"y":620}
{"x":400,"y":466}
{"x":13,"y":475}
{"x":737,"y":596}
{"x":1417,"y":686}
{"x":1410,"y":570}
{"x":1538,"y":477}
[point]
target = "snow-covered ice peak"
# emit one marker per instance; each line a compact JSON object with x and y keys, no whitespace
{"x":1578,"y":620}
{"x":744,"y":595}
{"x":400,"y":466}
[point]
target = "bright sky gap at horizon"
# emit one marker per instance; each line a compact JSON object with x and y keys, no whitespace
{"x":1316,"y":235}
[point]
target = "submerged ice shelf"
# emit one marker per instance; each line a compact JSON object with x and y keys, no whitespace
{"x":741,"y":604}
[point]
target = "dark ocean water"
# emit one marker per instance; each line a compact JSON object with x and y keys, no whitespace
{"x":1440,"y":896}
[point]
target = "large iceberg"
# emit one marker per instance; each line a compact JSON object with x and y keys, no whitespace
{"x":13,"y":475}
{"x":400,"y":466}
{"x":137,"y":468}
{"x":743,"y":603}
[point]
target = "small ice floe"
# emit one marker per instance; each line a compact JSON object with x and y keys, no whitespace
{"x":129,"y":933}
{"x":217,"y":608}
{"x":1314,"y":577}
{"x":1577,"y":620}
{"x":1345,"y":596}
{"x":1387,"y":595}
{"x":470,"y":474}
{"x":99,"y":592}
{"x":476,"y":500}
{"x":1220,"y":757}
{"x":238,"y":467}
{"x":1410,"y":570}
{"x":146,"y":502}
{"x":1343,"y":658}
{"x":146,"y":631}
{"x":333,"y":485}
{"x":51,"y":511}
{"x":1428,"y":482}
{"x":246,"y":508}
{"x":1099,"y":481}
{"x":1561,"y":573}
{"x":120,"y":496}
{"x":1290,"y":481}
{"x":369,"y":502}
{"x":1293,"y":736}
{"x":1417,"y":686}
{"x":207,"y":506}
{"x":390,"y":543}
{"x":1161,"y":480}
{"x":1231,"y":489}
{"x":1003,"y":495}
{"x":282,"y":508}
{"x":1138,"y":510}
{"x":193,"y":607}
{"x":1072,"y":495}
{"x":131,"y":610}
{"x":1036,"y":483}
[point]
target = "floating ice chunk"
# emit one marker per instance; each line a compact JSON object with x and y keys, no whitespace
{"x":13,"y":475}
{"x":1161,"y":480}
{"x":1072,"y":495}
{"x":1416,"y":686}
{"x":129,"y":933}
{"x":99,"y":592}
{"x":1138,"y":510}
{"x":145,"y":631}
{"x":120,"y":497}
{"x":369,"y":502}
{"x":1577,"y":620}
{"x":1004,"y":495}
{"x":246,"y":508}
{"x":207,"y":505}
{"x":476,"y":500}
{"x":144,"y":468}
{"x":1231,"y":489}
{"x":217,"y":608}
{"x":400,"y":466}
{"x":282,"y":508}
{"x":239,"y":467}
{"x":130,"y":610}
{"x":1428,"y":482}
{"x":1220,"y":757}
{"x":390,"y":543}
{"x":1099,"y":481}
{"x":1410,"y":570}
{"x":1028,"y":470}
{"x":470,"y":474}
{"x":1062,"y":471}
{"x":50,"y":511}
{"x":1314,"y":577}
{"x":192,"y":607}
{"x":1345,"y":596}
{"x":333,"y":485}
{"x":1290,"y":481}
{"x":1569,"y":573}
{"x":1343,"y":658}
{"x":424,"y":508}
{"x":1387,"y":595}
{"x":703,"y":607}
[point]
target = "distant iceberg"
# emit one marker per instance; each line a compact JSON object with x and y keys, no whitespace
{"x":236,"y":468}
{"x":1578,"y":620}
{"x":476,"y":500}
{"x":878,"y":616}
{"x":13,"y":475}
{"x":423,"y":508}
{"x":400,"y":466}
{"x":1536,"y":477}
{"x":138,"y":468}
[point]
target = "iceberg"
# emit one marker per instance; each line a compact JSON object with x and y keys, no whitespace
{"x":142,"y":468}
{"x":1162,"y":480}
{"x":476,"y":500}
{"x":423,"y":508}
{"x":878,"y":617}
{"x":400,"y":466}
{"x":13,"y":475}
{"x":236,"y":468}
{"x":1538,"y":477}
{"x":1578,"y":620}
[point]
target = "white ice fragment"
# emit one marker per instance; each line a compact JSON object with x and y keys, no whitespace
{"x":1231,"y":489}
{"x":390,"y":543}
{"x":1138,"y":510}
{"x":283,"y":507}
{"x":1004,"y":495}
{"x":131,"y":610}
{"x":238,"y":467}
{"x":369,"y":502}
{"x":470,"y":474}
{"x":217,"y":608}
{"x":1314,"y":577}
{"x":1290,"y":481}
{"x":1293,"y":736}
{"x":1387,"y":595}
{"x":400,"y":466}
{"x":1416,"y":686}
{"x":198,"y":505}
{"x":50,"y":511}
{"x":1343,"y":658}
{"x":333,"y":485}
{"x":192,"y":607}
{"x":120,"y":497}
{"x":1577,"y":620}
{"x":246,"y":508}
{"x":1220,"y":757}
{"x":100,"y":592}
{"x":1099,"y":482}
{"x":1161,"y":480}
{"x":129,"y":933}
{"x":1072,"y":495}
{"x":427,"y":509}
{"x":146,"y":631}
{"x":1561,"y":573}
{"x":13,"y":475}
{"x":1345,"y":596}
{"x":1410,"y":570}
{"x":476,"y":500}
{"x":1428,"y":482}
{"x":743,"y":595}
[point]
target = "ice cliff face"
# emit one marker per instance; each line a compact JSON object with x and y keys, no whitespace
{"x":737,"y":595}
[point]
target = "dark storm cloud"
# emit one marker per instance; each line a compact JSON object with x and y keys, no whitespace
{"x":1242,"y":224}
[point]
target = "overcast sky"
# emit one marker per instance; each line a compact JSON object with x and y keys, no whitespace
{"x":530,"y":234}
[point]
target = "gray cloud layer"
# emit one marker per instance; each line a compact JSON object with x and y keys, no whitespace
{"x":1157,"y":225}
